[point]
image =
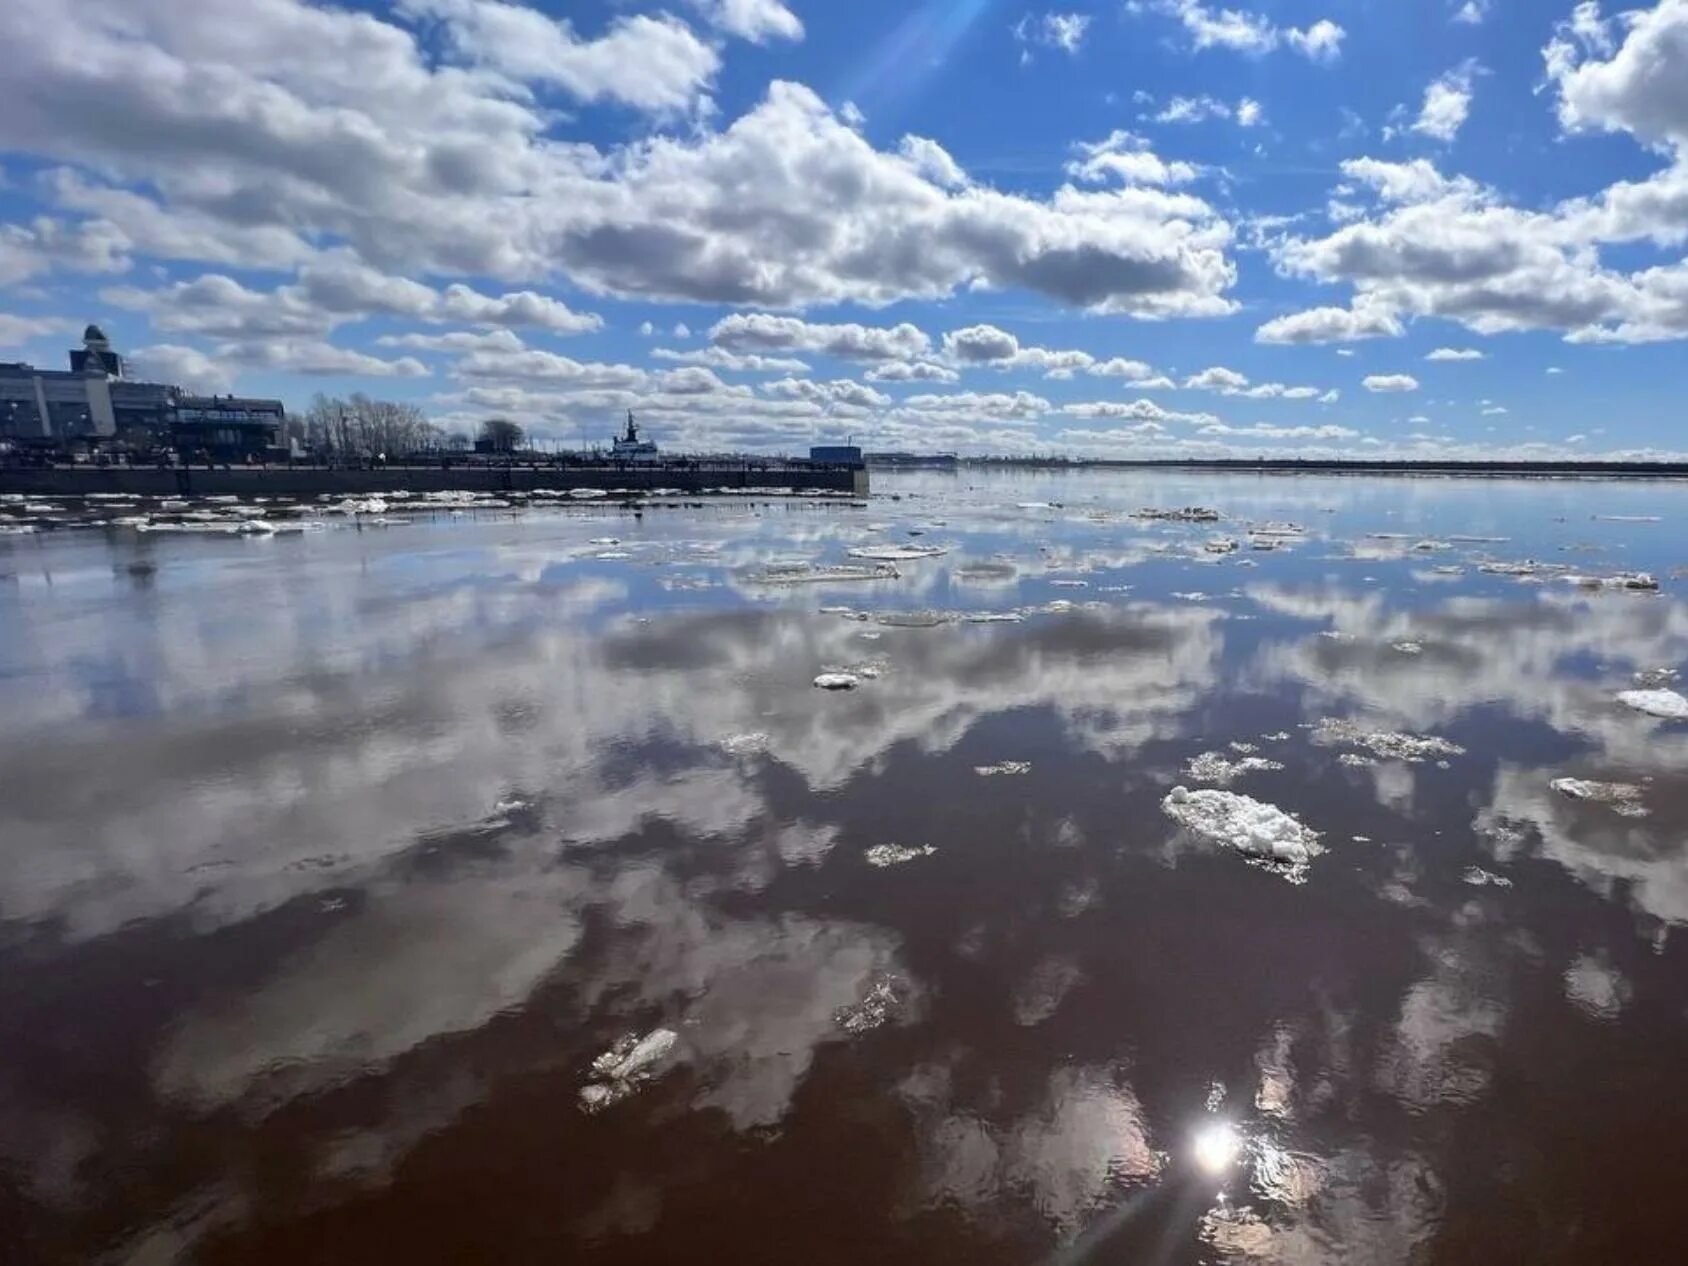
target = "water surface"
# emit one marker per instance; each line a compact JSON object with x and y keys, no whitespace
{"x":330,"y":862}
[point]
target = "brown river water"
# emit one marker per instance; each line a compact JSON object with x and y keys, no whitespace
{"x":494,"y":884}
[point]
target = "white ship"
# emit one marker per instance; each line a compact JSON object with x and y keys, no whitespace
{"x":629,"y":447}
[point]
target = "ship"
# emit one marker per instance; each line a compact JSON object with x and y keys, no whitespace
{"x":629,"y":447}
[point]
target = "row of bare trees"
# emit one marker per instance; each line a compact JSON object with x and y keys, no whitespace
{"x":358,"y":426}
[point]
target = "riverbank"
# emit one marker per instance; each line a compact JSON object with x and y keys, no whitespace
{"x":316,"y":481}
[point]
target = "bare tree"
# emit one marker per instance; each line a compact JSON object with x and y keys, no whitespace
{"x":502,"y":435}
{"x":359,"y":426}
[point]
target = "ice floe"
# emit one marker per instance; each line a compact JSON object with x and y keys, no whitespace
{"x":897,"y":553}
{"x":626,"y":1066}
{"x":1252,"y":827}
{"x":1479,"y":878}
{"x":1656,"y":703}
{"x":1388,"y":744}
{"x":1624,"y":797}
{"x":753,"y":743}
{"x":883,"y":855}
{"x":1181,"y":514}
{"x":881,"y":1003}
{"x":818,"y":574}
{"x":1003,"y":767}
{"x":837,"y":681}
{"x":1216,"y":767}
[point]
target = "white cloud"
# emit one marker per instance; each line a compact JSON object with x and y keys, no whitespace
{"x":1267,"y":431}
{"x":15,"y":330}
{"x":933,"y":162}
{"x":912,"y":371}
{"x":1639,"y":89}
{"x":755,"y":20}
{"x":1472,"y":12}
{"x":1135,"y":411}
{"x":737,"y":362}
{"x":1217,"y":378}
{"x":183,"y":367}
{"x":1120,"y":367}
{"x":1004,"y":407}
{"x":1249,"y":112}
{"x":1129,"y":159}
{"x":1390,"y":382}
{"x":1447,"y":103}
{"x":1228,"y":382}
{"x":1245,"y":32}
{"x":328,"y":293}
{"x":1494,"y":411}
{"x":1193,"y":110}
{"x":1457,"y":353}
{"x":764,"y":332}
{"x":247,"y":116}
{"x":650,"y":63}
{"x":839,"y":393}
{"x":1330,"y":325}
{"x":1064,"y":31}
{"x":455,"y":341}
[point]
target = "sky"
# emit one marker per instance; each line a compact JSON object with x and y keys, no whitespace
{"x":1140,"y":228}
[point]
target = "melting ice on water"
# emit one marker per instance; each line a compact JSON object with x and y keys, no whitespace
{"x":624,"y":1067}
{"x":1251,"y":827}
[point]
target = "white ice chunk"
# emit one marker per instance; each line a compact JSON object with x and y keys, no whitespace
{"x":837,"y":681}
{"x":1624,"y":797}
{"x":883,"y":855}
{"x":1249,"y":826}
{"x":897,"y":553}
{"x":624,"y":1067}
{"x":1656,"y":703}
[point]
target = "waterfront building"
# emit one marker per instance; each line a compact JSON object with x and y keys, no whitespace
{"x":95,"y":402}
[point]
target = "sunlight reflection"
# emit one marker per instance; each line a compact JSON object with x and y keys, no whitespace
{"x":1216,"y":1146}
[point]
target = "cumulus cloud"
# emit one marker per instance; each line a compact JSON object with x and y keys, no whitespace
{"x":1447,"y":103}
{"x":1228,"y":382}
{"x":764,"y":332}
{"x":1127,"y":158}
{"x":15,"y":330}
{"x":650,"y":63}
{"x":755,"y":20}
{"x":1144,"y":411}
{"x":240,"y":114}
{"x":331,"y":292}
{"x":1242,"y":31}
{"x":1390,"y":382}
{"x":987,"y":345}
{"x":1457,"y":353}
{"x":912,"y":371}
{"x":183,"y":366}
{"x":1329,"y":325}
{"x":838,"y":393}
{"x":736,"y":362}
{"x":1064,"y":31}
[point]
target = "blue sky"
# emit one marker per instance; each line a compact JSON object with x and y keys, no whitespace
{"x":1157,"y":227}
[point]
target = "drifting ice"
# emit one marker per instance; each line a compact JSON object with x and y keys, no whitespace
{"x":1624,"y":797}
{"x":837,"y":681}
{"x":883,"y":855}
{"x":897,"y":553}
{"x":1657,"y":703}
{"x":623,"y":1067}
{"x":1250,"y":826}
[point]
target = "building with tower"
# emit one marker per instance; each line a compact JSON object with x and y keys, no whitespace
{"x":95,"y":402}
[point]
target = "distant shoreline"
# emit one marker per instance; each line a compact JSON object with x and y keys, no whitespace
{"x":1291,"y":466}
